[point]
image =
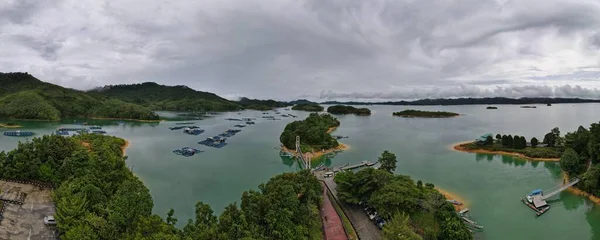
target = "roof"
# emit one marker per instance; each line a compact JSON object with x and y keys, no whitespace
{"x":484,"y":137}
{"x":538,"y":201}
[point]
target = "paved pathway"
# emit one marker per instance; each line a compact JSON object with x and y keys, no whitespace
{"x":332,"y":224}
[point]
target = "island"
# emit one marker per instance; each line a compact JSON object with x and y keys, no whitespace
{"x":491,"y":107}
{"x":410,"y":113}
{"x":314,"y":133}
{"x":513,"y":146}
{"x":528,"y":107}
{"x":9,"y":125}
{"x":342,"y":109}
{"x":310,"y":107}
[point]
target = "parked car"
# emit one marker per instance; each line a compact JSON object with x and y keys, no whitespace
{"x":49,"y":220}
{"x":381,"y":224}
{"x":373,"y":215}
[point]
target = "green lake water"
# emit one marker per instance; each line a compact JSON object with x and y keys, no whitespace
{"x":491,"y":184}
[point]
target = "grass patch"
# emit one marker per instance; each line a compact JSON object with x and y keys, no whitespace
{"x":533,"y":152}
{"x":345,"y":221}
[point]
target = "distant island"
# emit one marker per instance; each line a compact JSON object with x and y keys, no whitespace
{"x":314,"y":132}
{"x":424,"y":114}
{"x":491,"y":107}
{"x":262,"y":105}
{"x":528,"y":107}
{"x":23,"y":96}
{"x":514,"y":146}
{"x":471,"y":101}
{"x":310,"y":107}
{"x":341,"y":109}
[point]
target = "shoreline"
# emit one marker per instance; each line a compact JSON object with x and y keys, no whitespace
{"x":582,"y":193}
{"x":2,"y":125}
{"x":124,"y":147}
{"x":459,"y":147}
{"x":412,"y":116}
{"x":127,"y":119}
{"x":315,"y":155}
{"x":451,"y":195}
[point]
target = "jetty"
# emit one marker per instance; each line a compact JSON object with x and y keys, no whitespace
{"x":18,"y":134}
{"x":536,"y":200}
{"x":366,"y":163}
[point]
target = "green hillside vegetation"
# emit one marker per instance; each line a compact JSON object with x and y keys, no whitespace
{"x":517,"y":144}
{"x":22,"y":96}
{"x":581,"y":157}
{"x":412,"y":210}
{"x":313,"y":132}
{"x":97,"y":197}
{"x":169,"y":98}
{"x":424,"y":114}
{"x":310,"y":107}
{"x":262,"y":105}
{"x":341,"y":109}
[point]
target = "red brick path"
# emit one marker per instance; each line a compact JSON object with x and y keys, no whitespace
{"x":332,"y":224}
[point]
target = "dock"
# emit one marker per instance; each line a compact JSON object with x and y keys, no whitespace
{"x":366,"y":163}
{"x":536,"y":200}
{"x":18,"y":134}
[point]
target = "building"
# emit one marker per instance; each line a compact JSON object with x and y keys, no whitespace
{"x":481,"y":140}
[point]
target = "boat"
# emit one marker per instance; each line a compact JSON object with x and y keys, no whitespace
{"x":187,"y":151}
{"x":461,"y":212}
{"x":18,"y":134}
{"x":233,"y":119}
{"x":184,"y":123}
{"x":455,"y":202}
{"x":285,"y":154}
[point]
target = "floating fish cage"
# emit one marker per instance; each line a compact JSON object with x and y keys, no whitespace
{"x":250,"y":122}
{"x":71,"y":129}
{"x":18,"y":134}
{"x":184,"y":123}
{"x":240,"y":125}
{"x":95,"y":127}
{"x":99,"y":132}
{"x":182,"y":127}
{"x":187,"y":151}
{"x":62,"y":133}
{"x":193,"y":131}
{"x":233,"y":119}
{"x":216,"y":142}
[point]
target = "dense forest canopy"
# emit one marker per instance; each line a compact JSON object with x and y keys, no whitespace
{"x":310,"y":107}
{"x":581,"y":156}
{"x":97,"y":197}
{"x":472,"y":101}
{"x":530,"y":147}
{"x":424,"y":114}
{"x":413,"y":210}
{"x":171,"y":98}
{"x":341,"y":109}
{"x":313,"y":132}
{"x":22,"y":96}
{"x":262,"y":105}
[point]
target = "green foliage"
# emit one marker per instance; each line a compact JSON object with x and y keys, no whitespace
{"x":489,"y":140}
{"x":341,"y":109}
{"x":398,"y":228}
{"x":171,"y":98}
{"x":24,"y":97}
{"x":552,"y":138}
{"x":498,"y":137}
{"x":262,"y":105}
{"x":432,"y":216}
{"x":313,"y":132}
{"x":387,"y":161}
{"x":310,"y":107}
{"x":534,"y":142}
{"x":424,"y":114}
{"x":533,"y":152}
{"x":571,"y":163}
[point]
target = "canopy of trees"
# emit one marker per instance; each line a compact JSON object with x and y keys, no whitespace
{"x":310,"y":107}
{"x":472,"y":101}
{"x":517,"y":144}
{"x":97,"y":197}
{"x":397,"y":196}
{"x":171,"y":98}
{"x":313,"y":132}
{"x":341,"y":109}
{"x":262,"y":105}
{"x":424,"y":114}
{"x":581,"y":156}
{"x":22,"y":96}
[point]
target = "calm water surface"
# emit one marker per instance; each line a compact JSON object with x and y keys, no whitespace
{"x":491,"y":184}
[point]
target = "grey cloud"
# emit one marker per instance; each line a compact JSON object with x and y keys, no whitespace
{"x":288,"y":48}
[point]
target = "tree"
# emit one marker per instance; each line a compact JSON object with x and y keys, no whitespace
{"x":534,"y":142}
{"x":571,"y":163}
{"x":498,"y":137}
{"x":516,"y":142}
{"x":489,"y":140}
{"x":552,"y":137}
{"x":509,"y":141}
{"x":504,"y":140}
{"x":398,"y":228}
{"x":388,"y":161}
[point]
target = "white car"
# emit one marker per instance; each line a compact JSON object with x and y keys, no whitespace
{"x":49,"y":220}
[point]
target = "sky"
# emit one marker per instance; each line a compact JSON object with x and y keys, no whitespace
{"x":316,"y":49}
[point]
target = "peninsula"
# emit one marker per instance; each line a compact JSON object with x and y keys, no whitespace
{"x":410,"y":113}
{"x":314,"y":133}
{"x":342,"y":109}
{"x":513,"y":146}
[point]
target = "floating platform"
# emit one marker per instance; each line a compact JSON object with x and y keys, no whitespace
{"x":18,"y":134}
{"x":71,"y":129}
{"x":193,"y":131}
{"x":538,"y":211}
{"x":187,"y":151}
{"x":250,"y":122}
{"x":268,"y":117}
{"x":99,"y":132}
{"x":62,"y":133}
{"x":95,"y":127}
{"x":240,"y":125}
{"x":184,"y":123}
{"x":216,"y":142}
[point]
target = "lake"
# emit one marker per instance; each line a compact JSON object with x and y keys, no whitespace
{"x":492,"y":185}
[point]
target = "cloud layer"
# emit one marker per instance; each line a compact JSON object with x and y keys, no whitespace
{"x":388,"y":49}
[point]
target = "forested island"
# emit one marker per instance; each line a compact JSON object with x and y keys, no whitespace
{"x":22,"y":96}
{"x":97,"y":197}
{"x":412,"y":210}
{"x":341,"y":109}
{"x":472,"y":101}
{"x":313,"y":131}
{"x":547,"y":150}
{"x":262,"y":105}
{"x":424,"y":114}
{"x":310,"y":107}
{"x":491,"y":107}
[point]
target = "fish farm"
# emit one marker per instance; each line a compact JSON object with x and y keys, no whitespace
{"x":240,"y":125}
{"x":250,"y":122}
{"x":187,"y":151}
{"x":184,"y":123}
{"x":182,"y":127}
{"x":71,"y":129}
{"x":216,"y":142}
{"x":62,"y":133}
{"x":233,"y":119}
{"x":195,"y":131}
{"x":99,"y":132}
{"x":95,"y":127}
{"x":18,"y":134}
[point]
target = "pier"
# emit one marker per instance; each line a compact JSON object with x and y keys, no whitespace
{"x":536,"y":200}
{"x":366,"y":163}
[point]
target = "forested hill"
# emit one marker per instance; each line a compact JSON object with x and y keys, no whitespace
{"x":23,"y":96}
{"x":262,"y":105}
{"x":473,"y":101}
{"x":171,"y":98}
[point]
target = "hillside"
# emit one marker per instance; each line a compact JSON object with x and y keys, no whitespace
{"x":170,"y":98}
{"x":309,"y":107}
{"x":472,"y":101}
{"x":23,"y":96}
{"x":262,"y":105}
{"x":342,"y":109}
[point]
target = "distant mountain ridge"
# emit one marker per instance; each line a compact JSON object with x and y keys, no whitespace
{"x":23,"y":96}
{"x":471,"y":101}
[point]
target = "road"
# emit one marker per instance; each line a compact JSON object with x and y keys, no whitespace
{"x":365,"y":228}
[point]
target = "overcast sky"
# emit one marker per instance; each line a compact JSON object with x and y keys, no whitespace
{"x":317,"y":49}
